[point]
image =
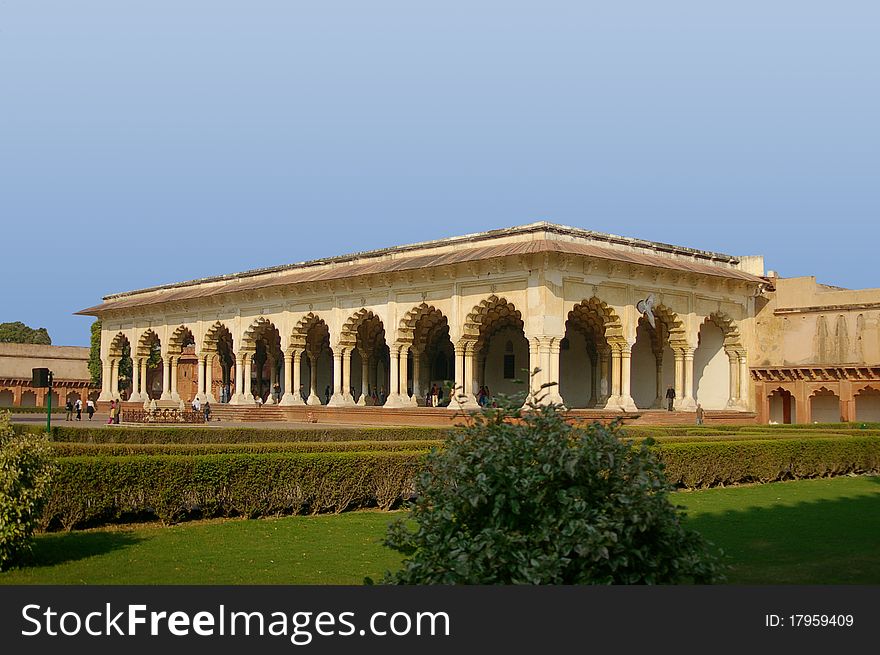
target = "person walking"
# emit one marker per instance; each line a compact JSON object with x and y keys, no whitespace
{"x":69,"y":408}
{"x":670,"y":398}
{"x":90,"y":408}
{"x":112,"y":409}
{"x":207,"y":411}
{"x":78,"y":405}
{"x":700,"y":414}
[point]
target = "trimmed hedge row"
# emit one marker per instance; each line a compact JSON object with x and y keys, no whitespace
{"x":90,"y":490}
{"x":93,"y":490}
{"x":696,"y":465}
{"x":756,"y":436}
{"x":206,"y":435}
{"x":69,"y":449}
{"x":34,"y":410}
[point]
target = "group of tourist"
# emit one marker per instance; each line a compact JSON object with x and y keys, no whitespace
{"x":76,"y":407}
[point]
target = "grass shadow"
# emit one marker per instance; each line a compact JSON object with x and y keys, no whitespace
{"x":813,"y":542}
{"x":58,"y":548}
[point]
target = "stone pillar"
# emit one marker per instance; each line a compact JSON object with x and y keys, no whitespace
{"x":534,"y":382}
{"x":688,"y":401}
{"x":105,"y":381}
{"x":346,"y":377}
{"x":679,"y":377}
{"x":613,"y":401}
{"x":337,"y":398}
{"x":594,"y":381}
{"x":627,"y":403}
{"x":174,"y":394}
{"x":314,"y":398}
{"x":114,"y":378}
{"x":238,"y":396}
{"x":248,"y":391}
{"x":604,"y":377}
{"x":135,"y":381}
{"x":200,"y":394}
{"x":403,"y":387}
{"x":417,"y":377}
{"x":394,"y":397}
{"x":459,"y":384}
{"x":733,"y":373}
{"x":209,"y":378}
{"x":744,"y":382}
{"x":290,"y":394}
{"x":553,"y":354}
{"x":166,"y":378}
{"x":365,"y":378}
{"x":145,"y":393}
{"x":273,"y":380}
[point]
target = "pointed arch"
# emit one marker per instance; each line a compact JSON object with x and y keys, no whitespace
{"x":260,"y":328}
{"x":306,"y":326}
{"x":492,"y":314}
{"x":180,"y":339}
{"x":217,"y":333}
{"x":118,"y":344}
{"x":148,"y":342}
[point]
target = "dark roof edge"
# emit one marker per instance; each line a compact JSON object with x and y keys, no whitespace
{"x":540,"y":226}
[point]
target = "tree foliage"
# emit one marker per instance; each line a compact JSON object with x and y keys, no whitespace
{"x":95,"y":369}
{"x":525,"y":497}
{"x":18,"y":332}
{"x":25,"y":470}
{"x":95,"y":364}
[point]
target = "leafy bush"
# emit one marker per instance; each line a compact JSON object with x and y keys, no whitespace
{"x":700,"y":464}
{"x":527,"y":498}
{"x":206,"y":435}
{"x":25,"y":471}
{"x":93,"y":490}
{"x":68,"y":449}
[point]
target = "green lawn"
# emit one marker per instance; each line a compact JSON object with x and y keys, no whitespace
{"x":813,"y":531}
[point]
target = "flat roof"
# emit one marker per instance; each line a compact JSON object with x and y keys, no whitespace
{"x":574,"y":241}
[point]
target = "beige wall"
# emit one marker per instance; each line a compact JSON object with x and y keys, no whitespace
{"x":803,"y":323}
{"x":65,"y":362}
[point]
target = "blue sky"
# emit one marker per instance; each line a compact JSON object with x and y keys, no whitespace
{"x":151,"y":142}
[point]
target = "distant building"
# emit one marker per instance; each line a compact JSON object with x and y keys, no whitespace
{"x":817,"y":353}
{"x":69,"y":365}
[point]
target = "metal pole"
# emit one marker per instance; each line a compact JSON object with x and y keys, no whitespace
{"x":49,"y":405}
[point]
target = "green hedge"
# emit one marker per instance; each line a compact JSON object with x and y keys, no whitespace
{"x":204,"y":435}
{"x":697,"y":464}
{"x":99,"y":488}
{"x":70,"y":449}
{"x":92,"y":490}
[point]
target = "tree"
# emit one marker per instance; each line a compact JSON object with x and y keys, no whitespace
{"x":95,"y":368}
{"x":525,"y":497}
{"x":95,"y":364}
{"x":25,"y":471}
{"x":18,"y":332}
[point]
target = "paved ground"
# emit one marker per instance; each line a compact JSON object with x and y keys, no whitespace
{"x":100,"y":420}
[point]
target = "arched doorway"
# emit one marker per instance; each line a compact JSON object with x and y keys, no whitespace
{"x":28,"y":399}
{"x":7,"y":398}
{"x":426,"y":329}
{"x":311,"y":341}
{"x":121,"y":368}
{"x":365,"y":363}
{"x":867,"y":402}
{"x":717,"y":365}
{"x":783,"y":406}
{"x":494,"y":351}
{"x":653,"y":360}
{"x":217,"y":346}
{"x":584,"y":354}
{"x":152,"y":368}
{"x":184,"y":374}
{"x":261,"y":349}
{"x":824,"y":406}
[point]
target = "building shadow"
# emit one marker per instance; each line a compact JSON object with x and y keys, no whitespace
{"x":58,"y":548}
{"x":812,"y":542}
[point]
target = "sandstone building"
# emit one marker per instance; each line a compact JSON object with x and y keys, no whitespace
{"x":69,"y":364}
{"x":477,"y":310}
